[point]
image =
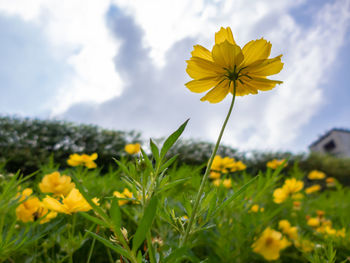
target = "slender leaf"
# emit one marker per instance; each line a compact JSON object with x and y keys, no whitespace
{"x":109,"y":244}
{"x":172,"y":184}
{"x":146,"y":159}
{"x":172,"y":139}
{"x":169,"y":162}
{"x":116,"y":215}
{"x":96,"y":220}
{"x":145,"y":223}
{"x":155,"y":150}
{"x":235,"y":195}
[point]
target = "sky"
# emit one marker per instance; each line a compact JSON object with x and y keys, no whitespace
{"x":121,"y":65}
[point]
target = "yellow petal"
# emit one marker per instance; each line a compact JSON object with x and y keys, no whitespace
{"x":198,"y":68}
{"x":202,"y":85}
{"x":265,"y":67}
{"x":256,"y":50}
{"x":54,"y":205}
{"x":227,"y":55}
{"x":201,"y":52}
{"x":224,"y":34}
{"x":93,"y":156}
{"x":262,"y":83}
{"x":244,"y":89}
{"x":218,"y":93}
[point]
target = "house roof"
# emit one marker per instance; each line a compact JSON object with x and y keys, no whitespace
{"x":328,"y":133}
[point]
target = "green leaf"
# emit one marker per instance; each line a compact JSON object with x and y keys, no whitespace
{"x":146,"y":159}
{"x":145,"y":223}
{"x":235,"y":195}
{"x":169,"y":162}
{"x":172,"y":184}
{"x":116,"y":215}
{"x":172,"y":139}
{"x":122,"y":166}
{"x":107,"y":243}
{"x":155,"y":150}
{"x":96,"y":220}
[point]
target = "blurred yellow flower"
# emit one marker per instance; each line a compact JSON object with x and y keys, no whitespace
{"x":293,"y":185}
{"x":24,"y":194}
{"x":32,"y":209}
{"x":227,"y":183}
{"x":83,"y":160}
{"x":56,"y":184}
{"x":316,"y":175}
{"x":255,"y":209}
{"x":312,"y":189}
{"x":274,"y":164}
{"x":72,"y":203}
{"x":313,"y":222}
{"x":132,"y":148}
{"x":228,"y":63}
{"x":291,"y":232}
{"x":270,"y":243}
{"x":217,"y":182}
{"x":125,"y":194}
{"x":214,"y":175}
{"x":290,"y":187}
{"x":330,"y":181}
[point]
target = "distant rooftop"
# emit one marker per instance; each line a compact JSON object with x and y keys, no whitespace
{"x":328,"y":133}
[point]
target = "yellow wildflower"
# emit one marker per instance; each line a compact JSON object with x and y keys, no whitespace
{"x":330,"y":181}
{"x":228,"y":63}
{"x":312,"y":189}
{"x":83,"y":160}
{"x":56,"y":184}
{"x":290,"y":187}
{"x":238,"y":166}
{"x":227,"y":183}
{"x":341,"y":233}
{"x":217,"y":182}
{"x":255,"y":209}
{"x":280,"y":195}
{"x":313,"y":222}
{"x":214,"y":175}
{"x":316,"y":175}
{"x":24,"y":194}
{"x":132,"y":148}
{"x":126,"y":194}
{"x":270,"y":243}
{"x":274,"y":164}
{"x":32,"y":209}
{"x":72,"y":203}
{"x":291,"y":232}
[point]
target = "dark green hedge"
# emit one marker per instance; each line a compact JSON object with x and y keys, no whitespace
{"x":26,"y":144}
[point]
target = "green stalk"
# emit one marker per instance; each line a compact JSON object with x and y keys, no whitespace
{"x":205,"y":177}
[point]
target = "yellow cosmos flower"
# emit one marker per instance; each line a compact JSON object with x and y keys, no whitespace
{"x":56,"y":184}
{"x":255,"y":209}
{"x":293,"y":185}
{"x":32,"y":209}
{"x":227,"y":64}
{"x":316,"y":175}
{"x":72,"y":203}
{"x":132,"y":148}
{"x":214,"y":175}
{"x":270,"y":243}
{"x":312,"y":189}
{"x":217,"y":182}
{"x":291,"y":232}
{"x":126,"y":194}
{"x":274,"y":164}
{"x":227,"y":183}
{"x":313,"y":222}
{"x":83,"y":160}
{"x":238,"y":166}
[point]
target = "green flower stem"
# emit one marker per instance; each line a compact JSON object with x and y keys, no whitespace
{"x":205,"y":177}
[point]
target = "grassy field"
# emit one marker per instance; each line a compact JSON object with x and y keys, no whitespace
{"x":145,"y":203}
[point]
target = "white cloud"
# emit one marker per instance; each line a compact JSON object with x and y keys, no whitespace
{"x":271,"y":120}
{"x":78,"y":32}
